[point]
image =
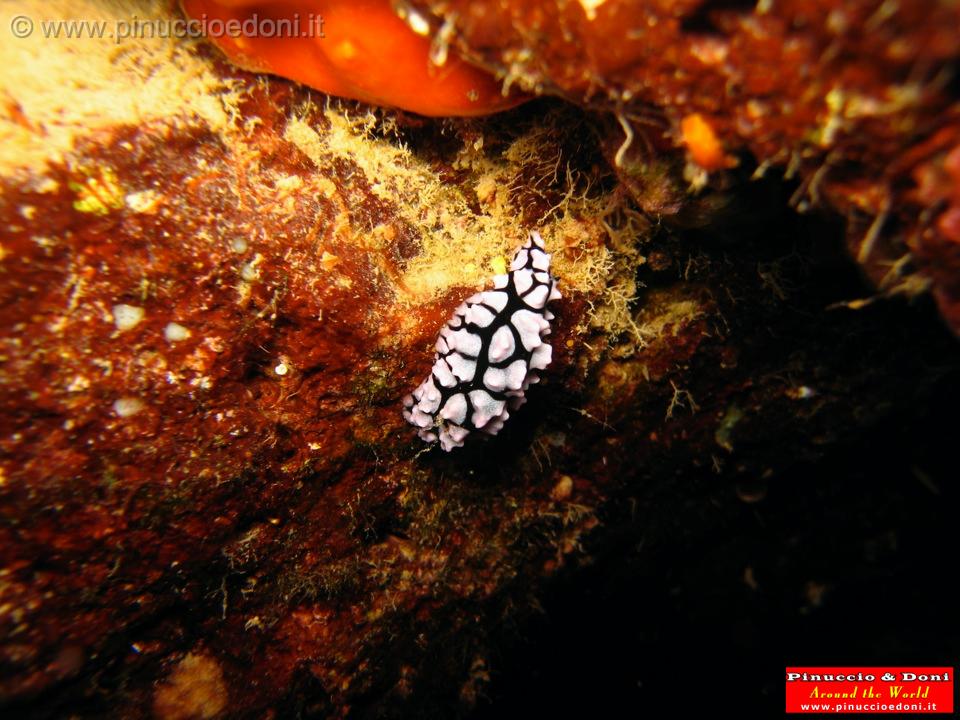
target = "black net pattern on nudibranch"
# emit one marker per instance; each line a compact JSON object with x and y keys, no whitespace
{"x":488,"y":353}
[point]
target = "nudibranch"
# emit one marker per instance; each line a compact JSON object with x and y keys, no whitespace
{"x":488,"y":353}
{"x":358,"y":49}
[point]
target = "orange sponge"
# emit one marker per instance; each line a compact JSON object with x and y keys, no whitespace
{"x":358,"y":49}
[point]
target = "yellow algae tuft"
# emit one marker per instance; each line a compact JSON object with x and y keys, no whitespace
{"x":194,"y":690}
{"x":99,"y":192}
{"x":328,"y":261}
{"x":54,"y":91}
{"x":464,"y":240}
{"x":458,"y":245}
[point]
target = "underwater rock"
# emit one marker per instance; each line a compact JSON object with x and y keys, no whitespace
{"x":210,"y":503}
{"x":852,"y":99}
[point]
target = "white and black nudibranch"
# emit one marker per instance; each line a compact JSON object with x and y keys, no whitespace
{"x":488,"y":353}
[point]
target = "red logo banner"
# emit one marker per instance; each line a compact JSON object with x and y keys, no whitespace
{"x":855,"y":690}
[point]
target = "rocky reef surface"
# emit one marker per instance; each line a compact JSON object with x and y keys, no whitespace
{"x":216,"y":287}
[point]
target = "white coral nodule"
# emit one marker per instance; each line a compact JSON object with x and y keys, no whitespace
{"x":488,"y":353}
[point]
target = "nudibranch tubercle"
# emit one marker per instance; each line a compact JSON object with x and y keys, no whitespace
{"x":359,"y":49}
{"x":488,"y":353}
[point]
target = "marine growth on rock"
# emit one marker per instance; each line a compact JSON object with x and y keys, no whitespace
{"x":488,"y":353}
